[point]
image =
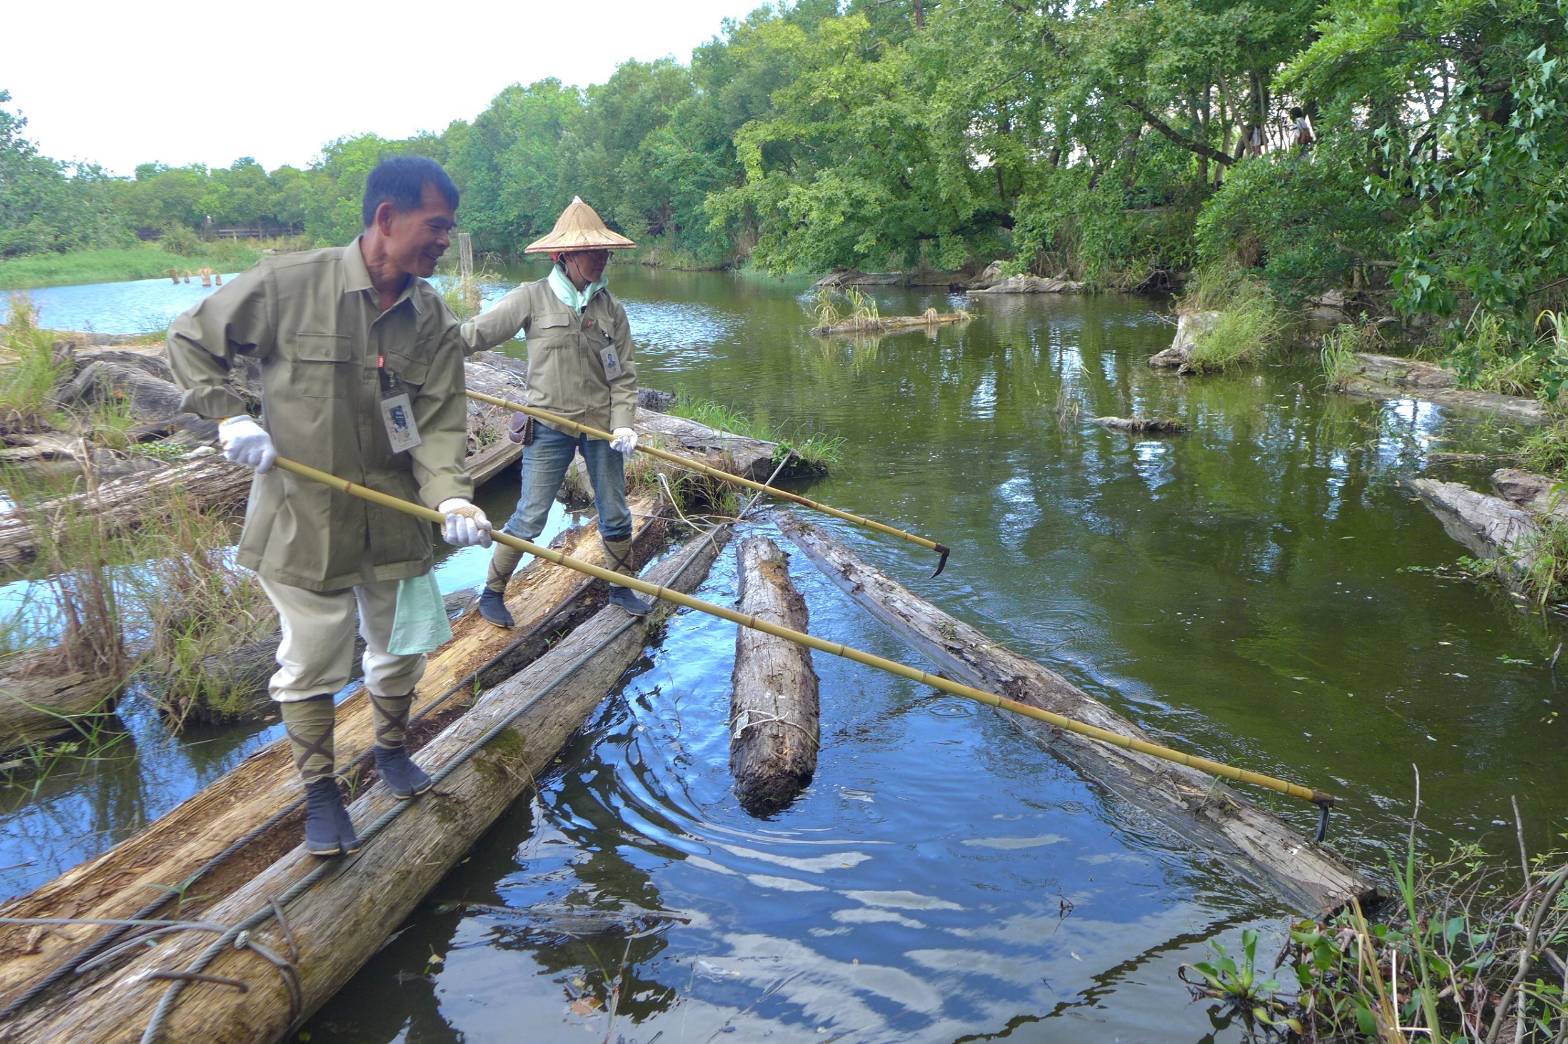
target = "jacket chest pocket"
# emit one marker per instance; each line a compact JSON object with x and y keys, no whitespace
{"x":410,"y":371}
{"x":322,"y":365}
{"x":553,"y":331}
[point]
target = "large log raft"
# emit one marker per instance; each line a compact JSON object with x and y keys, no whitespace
{"x":1387,"y":376}
{"x":774,"y":712}
{"x":1195,"y":805}
{"x":347,"y":913}
{"x":929,"y":319}
{"x":544,"y":598}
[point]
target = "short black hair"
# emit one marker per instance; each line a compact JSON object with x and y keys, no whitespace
{"x":401,"y":181}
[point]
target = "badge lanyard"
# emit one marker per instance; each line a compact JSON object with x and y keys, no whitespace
{"x":397,"y":412}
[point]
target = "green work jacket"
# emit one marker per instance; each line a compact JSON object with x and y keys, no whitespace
{"x":566,"y":371}
{"x":313,"y":325}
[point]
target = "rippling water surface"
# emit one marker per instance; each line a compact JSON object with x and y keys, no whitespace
{"x":1257,"y":590}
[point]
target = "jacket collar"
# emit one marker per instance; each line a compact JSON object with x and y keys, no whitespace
{"x":356,"y":278}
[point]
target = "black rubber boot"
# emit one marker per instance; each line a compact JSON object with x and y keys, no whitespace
{"x":630,"y":600}
{"x":404,"y":778}
{"x":493,"y":608}
{"x":328,"y":831}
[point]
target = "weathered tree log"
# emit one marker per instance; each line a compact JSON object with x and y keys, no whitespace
{"x":40,"y":702}
{"x":775,"y":726}
{"x":1143,"y":425}
{"x":887,"y":323}
{"x":335,"y":925}
{"x":544,"y":598}
{"x":1031,"y":284}
{"x":1490,"y":527}
{"x":240,"y":674}
{"x":738,"y":454}
{"x":1193,"y":804}
{"x":1386,"y":376}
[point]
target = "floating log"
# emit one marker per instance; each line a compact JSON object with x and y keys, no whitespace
{"x":1390,"y":377}
{"x":1490,"y":527}
{"x":544,"y":598}
{"x":240,"y":674}
{"x":1195,"y":805}
{"x":886,"y":323}
{"x":775,"y":726}
{"x":347,"y":913}
{"x":1143,"y":425}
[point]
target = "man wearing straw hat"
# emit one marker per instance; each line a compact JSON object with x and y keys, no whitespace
{"x":580,"y":367}
{"x":361,"y":370}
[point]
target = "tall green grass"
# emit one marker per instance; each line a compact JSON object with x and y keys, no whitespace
{"x":114,"y":264}
{"x":1249,"y":327}
{"x":815,"y":450}
{"x":28,"y":370}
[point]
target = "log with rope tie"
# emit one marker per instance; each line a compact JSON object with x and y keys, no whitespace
{"x":339,"y":913}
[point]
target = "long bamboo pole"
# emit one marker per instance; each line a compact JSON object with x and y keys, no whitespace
{"x":576,"y":428}
{"x":1116,"y":739}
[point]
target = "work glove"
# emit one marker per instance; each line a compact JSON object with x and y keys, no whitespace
{"x":623,"y":440}
{"x":246,"y":442}
{"x":465,"y":524}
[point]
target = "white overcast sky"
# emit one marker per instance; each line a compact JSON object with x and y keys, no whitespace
{"x":208,"y":81}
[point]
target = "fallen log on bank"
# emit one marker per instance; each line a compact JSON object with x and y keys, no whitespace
{"x":1193,"y":804}
{"x":775,"y":720}
{"x":1508,"y":529}
{"x":41,"y":702}
{"x":543,"y":597}
{"x":345,"y":913}
{"x":1390,"y":377}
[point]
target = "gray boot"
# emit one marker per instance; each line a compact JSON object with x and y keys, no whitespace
{"x":492,"y":600}
{"x":620,"y":552}
{"x":328,"y":830}
{"x":404,"y":778}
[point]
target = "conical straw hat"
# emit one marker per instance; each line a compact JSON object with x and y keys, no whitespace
{"x":579,"y":228}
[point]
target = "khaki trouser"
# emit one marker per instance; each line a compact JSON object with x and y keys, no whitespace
{"x":318,"y":641}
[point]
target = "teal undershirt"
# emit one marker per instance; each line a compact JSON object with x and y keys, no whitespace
{"x":570,"y":296}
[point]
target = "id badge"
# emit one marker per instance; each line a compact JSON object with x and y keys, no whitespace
{"x":612,"y":362}
{"x":397,"y":413}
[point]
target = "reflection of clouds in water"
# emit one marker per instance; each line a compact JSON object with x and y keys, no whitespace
{"x":1152,"y":462}
{"x":1017,"y":510}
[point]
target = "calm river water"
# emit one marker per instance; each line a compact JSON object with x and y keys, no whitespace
{"x":1259,"y":590}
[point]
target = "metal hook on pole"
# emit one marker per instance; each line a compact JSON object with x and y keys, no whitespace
{"x":576,"y":428}
{"x":935,"y":681}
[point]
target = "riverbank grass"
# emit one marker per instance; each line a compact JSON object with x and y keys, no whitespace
{"x":1249,"y":327}
{"x":816,"y":451}
{"x":28,"y":370}
{"x":117,"y":264}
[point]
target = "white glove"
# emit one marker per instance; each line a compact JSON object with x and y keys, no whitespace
{"x":246,"y":442}
{"x":623,"y":440}
{"x":465,"y":524}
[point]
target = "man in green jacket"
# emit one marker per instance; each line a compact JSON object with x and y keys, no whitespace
{"x":361,"y":369}
{"x":580,"y":367}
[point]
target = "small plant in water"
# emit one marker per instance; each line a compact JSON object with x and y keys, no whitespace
{"x":1239,"y":986}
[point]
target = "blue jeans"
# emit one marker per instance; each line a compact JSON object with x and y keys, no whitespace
{"x":544,"y":466}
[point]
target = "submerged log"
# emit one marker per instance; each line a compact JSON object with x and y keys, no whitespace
{"x":350,"y":909}
{"x":1143,"y":425}
{"x":775,"y":726}
{"x":1195,"y":805}
{"x":1387,"y":376}
{"x":543,"y":597}
{"x":885,"y":323}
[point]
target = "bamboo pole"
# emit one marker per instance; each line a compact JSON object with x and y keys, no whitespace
{"x":1115,"y":739}
{"x":573,"y":427}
